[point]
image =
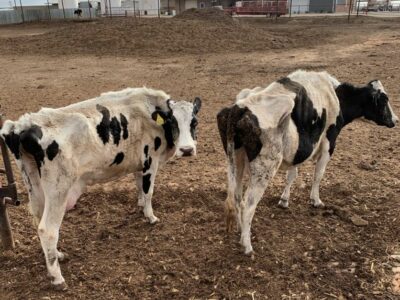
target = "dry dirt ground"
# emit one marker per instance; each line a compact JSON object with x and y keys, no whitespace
{"x":301,"y":253}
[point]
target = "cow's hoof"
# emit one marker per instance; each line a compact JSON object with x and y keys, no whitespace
{"x":283,"y":203}
{"x":317,"y":204}
{"x":154,"y":220}
{"x":249,"y":251}
{"x":60,"y":286}
{"x":62,"y":257}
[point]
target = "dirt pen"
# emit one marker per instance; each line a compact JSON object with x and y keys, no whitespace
{"x":346,"y":251}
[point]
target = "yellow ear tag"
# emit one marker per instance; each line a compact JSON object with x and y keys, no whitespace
{"x":159,"y":120}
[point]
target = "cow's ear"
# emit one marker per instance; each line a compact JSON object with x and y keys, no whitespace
{"x":196,"y":105}
{"x":159,"y":117}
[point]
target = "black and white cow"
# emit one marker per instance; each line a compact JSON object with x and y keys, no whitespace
{"x":61,"y":151}
{"x":78,"y":12}
{"x":293,"y":120}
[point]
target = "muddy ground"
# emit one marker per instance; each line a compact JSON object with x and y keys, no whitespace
{"x":301,"y":253}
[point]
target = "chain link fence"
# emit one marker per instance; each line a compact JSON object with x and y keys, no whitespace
{"x":20,"y":13}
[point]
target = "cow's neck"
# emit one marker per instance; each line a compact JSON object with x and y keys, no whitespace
{"x":352,"y":101}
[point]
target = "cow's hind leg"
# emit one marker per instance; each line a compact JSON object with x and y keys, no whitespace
{"x":291,"y":177}
{"x":139,"y":186}
{"x":32,"y":181}
{"x":235,"y":190}
{"x":49,"y":226}
{"x":318,"y":174}
{"x":262,"y":170}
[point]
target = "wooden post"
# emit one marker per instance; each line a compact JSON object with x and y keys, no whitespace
{"x":6,"y":237}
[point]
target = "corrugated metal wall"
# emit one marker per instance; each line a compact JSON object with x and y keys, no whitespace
{"x":318,"y":6}
{"x":42,"y":14}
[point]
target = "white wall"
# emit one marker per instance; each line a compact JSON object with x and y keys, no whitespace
{"x":68,"y":4}
{"x":300,"y":6}
{"x":190,"y":4}
{"x":151,"y":6}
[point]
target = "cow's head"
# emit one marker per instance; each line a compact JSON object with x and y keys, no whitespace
{"x":185,"y":114}
{"x":378,"y":108}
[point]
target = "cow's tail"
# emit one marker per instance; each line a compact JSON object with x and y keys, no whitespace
{"x":228,"y":129}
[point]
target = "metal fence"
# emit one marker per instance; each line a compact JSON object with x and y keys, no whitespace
{"x":19,"y":15}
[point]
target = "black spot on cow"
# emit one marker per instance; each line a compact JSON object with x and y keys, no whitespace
{"x":30,"y":142}
{"x":157,"y":143}
{"x":146,"y":183}
{"x":52,"y":150}
{"x":170,"y":126}
{"x":124,"y":124}
{"x":147,"y":164}
{"x":193,"y":126}
{"x":115,"y":129}
{"x":118,"y":159}
{"x":333,"y":132}
{"x":13,"y":141}
{"x":146,"y":151}
{"x":241,"y":127}
{"x":103,"y":128}
{"x":309,"y":124}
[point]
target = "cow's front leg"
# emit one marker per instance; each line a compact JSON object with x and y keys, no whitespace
{"x":148,"y":179}
{"x":291,"y":177}
{"x":139,"y":186}
{"x":318,"y":174}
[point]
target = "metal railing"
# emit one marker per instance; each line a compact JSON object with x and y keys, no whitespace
{"x":8,"y":195}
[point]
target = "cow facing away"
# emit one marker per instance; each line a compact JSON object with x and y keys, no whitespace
{"x":61,"y":151}
{"x":293,"y":120}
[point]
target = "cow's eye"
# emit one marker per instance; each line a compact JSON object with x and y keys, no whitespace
{"x":193,"y":124}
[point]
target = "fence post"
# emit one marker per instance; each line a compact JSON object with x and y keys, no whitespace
{"x":158,"y":7}
{"x":10,"y":191}
{"x":109,"y":1}
{"x":348,"y":17}
{"x":62,"y":3}
{"x":22,"y":11}
{"x":134,"y":8}
{"x":290,"y":9}
{"x":48,"y":8}
{"x":358,"y":7}
{"x":90,"y":9}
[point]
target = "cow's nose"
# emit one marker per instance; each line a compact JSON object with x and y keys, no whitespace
{"x":187,"y":151}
